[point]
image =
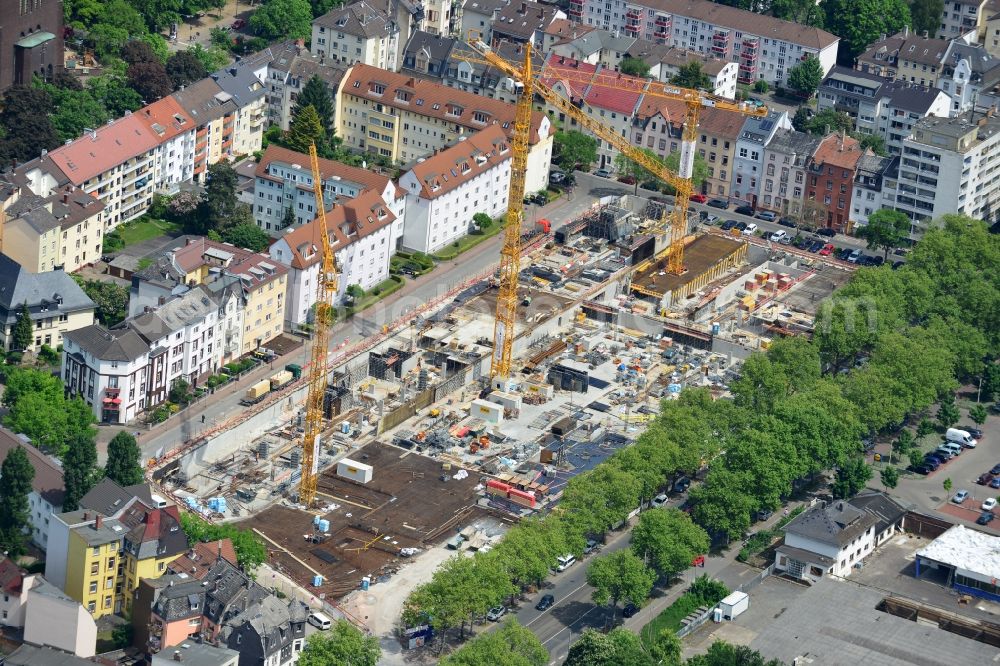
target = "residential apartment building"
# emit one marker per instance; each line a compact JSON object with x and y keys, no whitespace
{"x":445,"y":191}
{"x":585,"y":43}
{"x":486,"y":80}
{"x":404,"y":119}
{"x":665,"y":62}
{"x":284,"y":180}
{"x":362,"y":234}
{"x":359,"y":32}
{"x":153,"y":541}
{"x":826,"y":540}
{"x":107,"y":369}
{"x":64,"y":230}
{"x":435,"y":16}
{"x":214,"y":112}
{"x":290,"y":69}
{"x":967,"y":72}
{"x":962,"y":17}
{"x":31,"y":41}
{"x":765,"y":48}
{"x":874,"y":187}
{"x":46,"y":496}
{"x":478,"y":17}
{"x":749,"y":163}
{"x":197,"y":654}
{"x":56,"y":304}
{"x":784,"y":178}
{"x":173,"y":157}
{"x":949,"y":165}
{"x":524,"y":22}
{"x":830,"y":182}
{"x":53,"y":618}
{"x":271,"y":631}
{"x":14,"y":585}
{"x":243,"y":83}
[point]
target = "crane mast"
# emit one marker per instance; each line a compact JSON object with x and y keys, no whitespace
{"x":510,"y":255}
{"x":318,"y":364}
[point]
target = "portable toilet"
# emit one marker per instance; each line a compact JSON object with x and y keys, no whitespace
{"x":324,"y":526}
{"x":316,"y":520}
{"x":317,"y":581}
{"x":365,"y":582}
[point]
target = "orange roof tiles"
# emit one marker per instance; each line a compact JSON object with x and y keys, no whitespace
{"x":104,"y":148}
{"x":165,"y":119}
{"x":434,"y":100}
{"x":839,"y":151}
{"x":461,"y":162}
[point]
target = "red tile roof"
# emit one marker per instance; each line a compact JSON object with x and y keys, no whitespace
{"x":256,"y":268}
{"x":597,"y":86}
{"x":575,"y":75}
{"x":461,"y":162}
{"x":197,"y":561}
{"x":11,"y":576}
{"x":434,"y":100}
{"x":347,"y":221}
{"x":165,"y":119}
{"x":104,"y":148}
{"x":839,"y":151}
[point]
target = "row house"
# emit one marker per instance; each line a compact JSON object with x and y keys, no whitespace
{"x":830,"y":182}
{"x":56,"y":305}
{"x":358,"y":32}
{"x":764,"y":48}
{"x":784,"y":176}
{"x":445,"y":191}
{"x":478,"y":17}
{"x":950,"y":165}
{"x":749,"y":163}
{"x":283,"y":181}
{"x":587,"y":44}
{"x":403,"y":118}
{"x":362,"y":232}
{"x":248,"y":287}
{"x":482,"y":79}
{"x":64,"y":230}
{"x":290,"y":69}
{"x":875,"y":186}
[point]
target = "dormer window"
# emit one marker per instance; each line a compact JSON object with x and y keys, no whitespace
{"x":455,"y":110}
{"x":402,"y":96}
{"x":481,"y":117}
{"x":376,"y":88}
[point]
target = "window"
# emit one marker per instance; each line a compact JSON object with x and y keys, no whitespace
{"x":93,"y":587}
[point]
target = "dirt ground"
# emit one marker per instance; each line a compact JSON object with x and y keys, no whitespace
{"x":405,"y":505}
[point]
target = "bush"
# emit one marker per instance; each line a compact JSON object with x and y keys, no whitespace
{"x":113,"y":242}
{"x":761,"y":86}
{"x":48,"y":355}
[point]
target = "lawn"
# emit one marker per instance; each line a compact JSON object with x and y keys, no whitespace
{"x":145,"y":229}
{"x":466,"y":243}
{"x":670,"y":618}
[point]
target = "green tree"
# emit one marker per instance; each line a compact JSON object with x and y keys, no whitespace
{"x":805,"y":77}
{"x":699,"y":171}
{"x":723,"y":503}
{"x":690,"y":75}
{"x":890,"y":476}
{"x":665,"y":649}
{"x":926,"y":16}
{"x":111,"y":299}
{"x":805,"y":12}
{"x":343,"y":644}
{"x":248,"y":236}
{"x":627,"y":167}
{"x":824,"y":122}
{"x":903,"y":443}
{"x":574,"y":150}
{"x":184,"y":68}
{"x":150,"y":80}
{"x":761,"y":384}
{"x":482,"y":220}
{"x":211,"y":58}
{"x":288,"y":218}
{"x":946,"y":484}
{"x":634,"y":67}
{"x":23,"y":334}
{"x":886,"y":229}
{"x":510,"y":645}
{"x":49,"y":422}
{"x":916,"y":458}
{"x":725,"y":654}
{"x":851,"y":478}
{"x":317,"y":95}
{"x":79,"y":470}
{"x":619,"y":576}
{"x":304,"y":130}
{"x":137,"y":50}
{"x":761,"y":86}
{"x":28,"y":129}
{"x":355,"y":291}
{"x":619,"y":647}
{"x":858,"y":23}
{"x":283,"y":19}
{"x":874,"y":142}
{"x":601,"y":498}
{"x":114,"y":92}
{"x":124,"y":465}
{"x":16,"y":475}
{"x":218,"y":202}
{"x":948,"y":414}
{"x":668,"y":541}
{"x":978,"y":414}
{"x":250,"y":549}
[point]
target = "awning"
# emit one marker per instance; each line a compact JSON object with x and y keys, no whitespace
{"x":113,"y":401}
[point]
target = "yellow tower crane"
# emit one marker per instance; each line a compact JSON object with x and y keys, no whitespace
{"x":318,"y":364}
{"x":527,"y":86}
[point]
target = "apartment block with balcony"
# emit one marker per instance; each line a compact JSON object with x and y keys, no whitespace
{"x":784,"y":173}
{"x":962,"y":17}
{"x":213,"y":112}
{"x":874,"y":188}
{"x":405,"y":119}
{"x":950,"y":165}
{"x":174,"y":129}
{"x":765,"y":48}
{"x":107,"y":369}
{"x":243,"y":84}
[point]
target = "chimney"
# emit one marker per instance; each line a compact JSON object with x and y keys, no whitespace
{"x":523,"y":9}
{"x":906,"y":31}
{"x":65,"y":197}
{"x":86,"y":516}
{"x":220,"y":548}
{"x":98,"y":521}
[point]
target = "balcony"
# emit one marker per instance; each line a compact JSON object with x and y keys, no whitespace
{"x":751,"y":44}
{"x":662,"y":22}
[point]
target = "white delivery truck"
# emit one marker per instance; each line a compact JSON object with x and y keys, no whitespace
{"x":734,"y":604}
{"x":960,"y":437}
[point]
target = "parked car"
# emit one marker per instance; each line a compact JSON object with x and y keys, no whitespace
{"x":995,"y":469}
{"x":660,"y":500}
{"x":741,"y":226}
{"x":827,"y":250}
{"x":710,"y":220}
{"x":631,"y":609}
{"x":816,"y":246}
{"x":896,"y":265}
{"x":826,"y":231}
{"x":777,"y":236}
{"x":985,"y":518}
{"x":764,"y":514}
{"x":728,"y":224}
{"x":718,"y":203}
{"x":745,"y":210}
{"x":853,"y":256}
{"x":975,"y":432}
{"x":545,"y":602}
{"x":238,"y":24}
{"x":750,"y":229}
{"x":989,"y":503}
{"x":699,"y":198}
{"x":787,"y":222}
{"x":556,"y":176}
{"x":995,"y":483}
{"x":682,"y":484}
{"x":767,"y":216}
{"x":933,"y":463}
{"x":985,"y":478}
{"x":960,"y":496}
{"x":589,"y":546}
{"x":495,"y":614}
{"x":921,"y":469}
{"x":602,"y":173}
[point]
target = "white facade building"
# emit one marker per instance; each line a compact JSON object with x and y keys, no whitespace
{"x":749,"y":162}
{"x":827,"y":539}
{"x":107,"y":370}
{"x":46,"y":496}
{"x":764,"y":47}
{"x":359,"y":32}
{"x":173,"y":156}
{"x":444,"y":192}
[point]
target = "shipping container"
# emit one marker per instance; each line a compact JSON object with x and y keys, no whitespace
{"x":258,"y":390}
{"x":497,"y":488}
{"x":355,"y":471}
{"x":279,"y":379}
{"x":523,"y":498}
{"x":487,"y":411}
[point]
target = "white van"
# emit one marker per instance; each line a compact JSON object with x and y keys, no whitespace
{"x":564,"y":562}
{"x":320,"y":621}
{"x":961,"y":437}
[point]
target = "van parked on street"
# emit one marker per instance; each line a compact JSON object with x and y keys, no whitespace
{"x":961,"y":437}
{"x":320,"y":621}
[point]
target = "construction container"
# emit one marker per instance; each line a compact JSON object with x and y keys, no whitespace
{"x":544,"y":390}
{"x":317,"y":581}
{"x":355,"y":471}
{"x":734,"y":604}
{"x":508,"y":400}
{"x":295,"y":369}
{"x":279,"y":379}
{"x":488,"y":411}
{"x":258,"y":390}
{"x":498,"y":488}
{"x":324,"y":526}
{"x":524,"y":498}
